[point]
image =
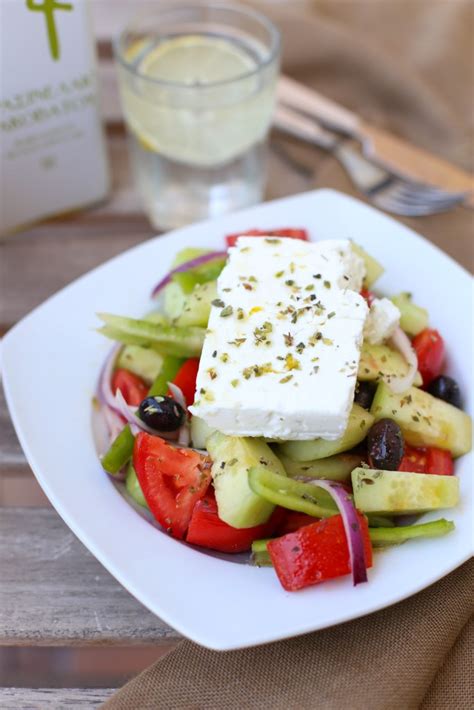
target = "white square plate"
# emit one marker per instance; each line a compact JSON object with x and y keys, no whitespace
{"x":50,"y":364}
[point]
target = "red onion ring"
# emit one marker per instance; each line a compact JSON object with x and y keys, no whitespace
{"x":203,"y":259}
{"x":351,"y":523}
{"x":401,"y":342}
{"x":104,"y":389}
{"x":184,"y":436}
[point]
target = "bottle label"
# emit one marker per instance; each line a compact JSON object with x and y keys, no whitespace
{"x":51,"y":140}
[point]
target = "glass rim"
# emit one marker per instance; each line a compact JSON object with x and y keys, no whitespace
{"x":273,"y":51}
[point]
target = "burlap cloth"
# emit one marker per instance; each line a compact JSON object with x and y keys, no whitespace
{"x":407,"y":65}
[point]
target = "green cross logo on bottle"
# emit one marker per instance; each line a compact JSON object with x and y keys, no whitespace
{"x":48,"y":7}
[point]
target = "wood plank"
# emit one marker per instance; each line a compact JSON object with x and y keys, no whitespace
{"x":40,"y":556}
{"x":11,"y":454}
{"x":53,"y":698}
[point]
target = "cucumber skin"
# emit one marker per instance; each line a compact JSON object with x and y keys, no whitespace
{"x":360,"y":421}
{"x":332,"y":468}
{"x":197,"y":306}
{"x":413,"y":318}
{"x":237,"y":504}
{"x":401,"y":492}
{"x":376,"y":359}
{"x":373,"y":268}
{"x":144,"y":362}
{"x":440,"y":425}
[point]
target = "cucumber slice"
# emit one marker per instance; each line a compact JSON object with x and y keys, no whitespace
{"x":378,"y":360}
{"x":209,"y":271}
{"x":360,"y":421}
{"x":373,"y":269}
{"x":170,"y":340}
{"x":424,"y":419}
{"x":174,"y":299}
{"x":333,"y":468}
{"x":197,"y":306}
{"x":144,"y":362}
{"x":200,"y":432}
{"x":402,"y":493}
{"x":133,"y":487}
{"x":413,"y":318}
{"x":232,"y":457}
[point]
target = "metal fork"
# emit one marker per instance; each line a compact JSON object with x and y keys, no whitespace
{"x":386,"y":190}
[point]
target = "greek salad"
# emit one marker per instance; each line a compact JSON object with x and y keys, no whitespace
{"x":274,"y":402}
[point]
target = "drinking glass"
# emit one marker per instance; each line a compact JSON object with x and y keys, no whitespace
{"x":197,"y":85}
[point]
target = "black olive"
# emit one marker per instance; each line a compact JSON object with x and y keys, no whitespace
{"x":385,"y":445}
{"x":444,"y":387}
{"x":364,"y":394}
{"x":161,"y":413}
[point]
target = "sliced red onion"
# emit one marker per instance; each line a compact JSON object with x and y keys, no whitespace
{"x":104,"y":389}
{"x":203,"y":259}
{"x":115,"y":422}
{"x":178,"y":395}
{"x":351,"y":523}
{"x":401,"y":342}
{"x":184,"y":435}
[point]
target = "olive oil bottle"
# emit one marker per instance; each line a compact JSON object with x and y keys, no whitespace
{"x":52,"y":151}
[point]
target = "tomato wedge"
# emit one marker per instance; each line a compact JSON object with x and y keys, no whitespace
{"x":429,"y":348}
{"x":428,"y":460}
{"x":440,"y":462}
{"x":133,"y":388}
{"x":315,"y":553}
{"x":284,"y":232}
{"x":186,"y":379}
{"x":368,"y":295}
{"x":294,"y":521}
{"x":206,"y":529}
{"x":172,"y":480}
{"x":414,"y":460}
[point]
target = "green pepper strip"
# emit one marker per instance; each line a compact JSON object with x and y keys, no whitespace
{"x":379,"y":537}
{"x":395,"y":536}
{"x":121,"y":449}
{"x":295,"y":495}
{"x":299,"y":496}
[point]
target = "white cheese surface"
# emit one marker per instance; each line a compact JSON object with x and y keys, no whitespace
{"x":274,"y":268}
{"x":280,"y":360}
{"x":381,"y":321}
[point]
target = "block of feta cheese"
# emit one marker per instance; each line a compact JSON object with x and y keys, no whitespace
{"x":280,"y":360}
{"x":274,"y":268}
{"x":381,"y":321}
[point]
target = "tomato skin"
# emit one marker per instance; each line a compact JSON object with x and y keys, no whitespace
{"x":172,"y":480}
{"x":430,"y":351}
{"x":186,"y":379}
{"x":429,"y":460}
{"x":368,"y":295}
{"x":283,"y":232}
{"x":315,"y":553}
{"x":294,"y":521}
{"x":414,"y":460}
{"x":440,"y":462}
{"x":133,"y":388}
{"x":206,"y":529}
